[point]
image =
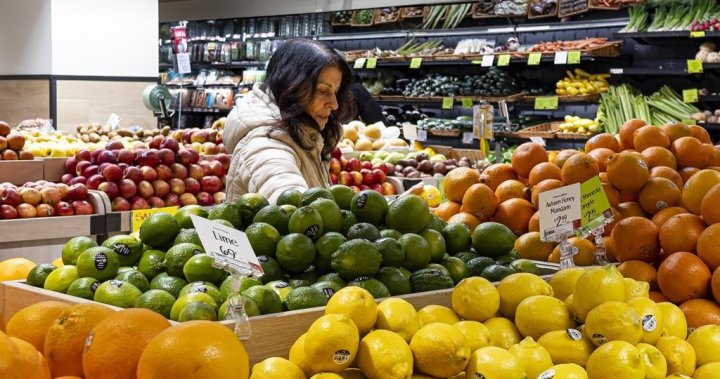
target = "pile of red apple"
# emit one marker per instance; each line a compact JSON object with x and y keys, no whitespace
{"x":150,"y":178}
{"x":360,"y":175}
{"x":43,"y":199}
{"x":11,"y":145}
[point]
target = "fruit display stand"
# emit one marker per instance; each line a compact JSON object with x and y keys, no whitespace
{"x":53,"y":169}
{"x":20,"y":172}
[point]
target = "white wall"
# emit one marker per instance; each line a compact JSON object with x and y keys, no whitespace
{"x":25,"y":45}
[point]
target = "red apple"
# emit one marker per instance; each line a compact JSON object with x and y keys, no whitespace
{"x":224,"y":159}
{"x":336,"y":153}
{"x":211,"y":184}
{"x":82,"y":207}
{"x":123,"y":166}
{"x":81,"y":166}
{"x":125,"y":156}
{"x":112,"y":173}
{"x":345,"y":178}
{"x":148,"y":158}
{"x":199,"y":136}
{"x":50,"y":195}
{"x":343,"y":163}
{"x":156,"y":141}
{"x":357,"y":178}
{"x":30,"y":196}
{"x":155,"y":202}
{"x":195,"y":156}
{"x":148,"y":173}
{"x":184,"y":157}
{"x":44,"y":210}
{"x":378,"y":188}
{"x":145,"y":189}
{"x":77,"y":180}
{"x":160,"y":188}
{"x":78,"y":191}
{"x":219,"y":197}
{"x":110,"y":188}
{"x":206,"y":167}
{"x":389,"y":189}
{"x":63,"y":189}
{"x":192,"y":186}
{"x":94,"y":181}
{"x":333,"y":178}
{"x":204,"y":198}
{"x":196,"y":172}
{"x":164,"y":172}
{"x":71,"y":164}
{"x":83,"y":155}
{"x":171,"y":200}
{"x":95,"y":154}
{"x":66,"y":178}
{"x":367,"y":165}
{"x":353,"y":164}
{"x":335,"y":166}
{"x":138,"y":203}
{"x":368,"y":177}
{"x":64,"y":208}
{"x":11,"y":196}
{"x":179,"y":171}
{"x":379,"y":175}
{"x":120,"y":205}
{"x":188,"y":199}
{"x":212,"y":136}
{"x":217,"y":169}
{"x":177,"y":186}
{"x":167,"y":156}
{"x":171,"y":144}
{"x":25,"y":210}
{"x":186,"y":135}
{"x":8,"y":212}
{"x":106,"y":156}
{"x":355,"y":189}
{"x":90,"y":171}
{"x":364,"y":187}
{"x":382,"y":167}
{"x":133,"y":173}
{"x":127,"y":188}
{"x":114,"y":145}
{"x":101,"y":167}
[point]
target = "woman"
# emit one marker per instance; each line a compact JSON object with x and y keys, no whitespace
{"x":282,"y":132}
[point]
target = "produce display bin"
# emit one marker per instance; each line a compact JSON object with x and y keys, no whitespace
{"x":53,"y":169}
{"x":21,"y":172}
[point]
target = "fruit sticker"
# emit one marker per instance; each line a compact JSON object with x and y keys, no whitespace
{"x":341,"y":357}
{"x":121,"y":249}
{"x":549,"y":374}
{"x":312,"y":231}
{"x":478,"y":375}
{"x":649,"y":323}
{"x":574,"y":334}
{"x":599,"y":339}
{"x":100,"y":261}
{"x":362,"y":199}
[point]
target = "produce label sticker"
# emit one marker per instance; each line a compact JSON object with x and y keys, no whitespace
{"x":546,"y":102}
{"x":229,"y":247}
{"x":689,"y":121}
{"x":467,"y":138}
{"x":487,"y":60}
{"x":447,"y":102}
{"x":561,"y":57}
{"x":415,"y":63}
{"x":595,"y":205}
{"x":467,"y":102}
{"x":694,"y":66}
{"x":697,"y":34}
{"x":138,"y":216}
{"x":183,"y":63}
{"x":534,"y":59}
{"x":504,"y":60}
{"x":371,"y":63}
{"x":560,"y":212}
{"x":359,"y":63}
{"x":422,"y":135}
{"x":573,"y":57}
{"x":690,"y":95}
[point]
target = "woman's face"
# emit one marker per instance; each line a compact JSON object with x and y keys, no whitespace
{"x":325,"y":100}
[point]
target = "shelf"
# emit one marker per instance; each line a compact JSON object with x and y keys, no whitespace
{"x":438,"y":100}
{"x":192,"y":86}
{"x":669,"y":35}
{"x":709,"y":99}
{"x":547,"y":58}
{"x":661,"y":71}
{"x":204,"y":110}
{"x":219,"y":65}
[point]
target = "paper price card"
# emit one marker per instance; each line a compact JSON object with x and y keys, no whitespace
{"x":504,"y":60}
{"x":359,"y":63}
{"x":371,"y":63}
{"x":467,"y":102}
{"x":538,"y":140}
{"x":573,"y":57}
{"x":594,"y":203}
{"x":534,"y":59}
{"x":183,"y":63}
{"x":546,"y":102}
{"x":560,"y":212}
{"x":487,"y":60}
{"x":227,"y":246}
{"x":422,"y":135}
{"x":694,"y":66}
{"x":415,"y":63}
{"x":447,"y":102}
{"x":138,"y":216}
{"x":561,"y":57}
{"x":467,"y":138}
{"x":409,"y":131}
{"x":690,"y":95}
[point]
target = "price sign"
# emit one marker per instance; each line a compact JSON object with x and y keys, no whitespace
{"x":534,"y":59}
{"x":476,"y":61}
{"x":422,"y":135}
{"x":415,"y":63}
{"x":467,"y":102}
{"x":561,"y":57}
{"x":573,"y":57}
{"x":546,"y":102}
{"x":487,"y":60}
{"x":560,"y":212}
{"x":138,"y":216}
{"x":447,"y":102}
{"x":689,"y":121}
{"x":538,"y":140}
{"x":697,"y":34}
{"x":690,"y":95}
{"x":227,"y":246}
{"x":371,"y":63}
{"x":183,"y":63}
{"x":359,"y":63}
{"x":594,"y":204}
{"x":113,"y":121}
{"x":410,"y":131}
{"x":616,"y":71}
{"x":467,"y":138}
{"x":694,"y":66}
{"x":504,"y":60}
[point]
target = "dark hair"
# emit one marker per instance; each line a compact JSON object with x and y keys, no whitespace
{"x":292,"y":74}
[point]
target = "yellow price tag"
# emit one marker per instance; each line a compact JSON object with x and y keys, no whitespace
{"x":697,"y":34}
{"x":476,"y":61}
{"x":573,"y":57}
{"x":689,"y":121}
{"x":546,"y":102}
{"x":139,"y":216}
{"x":371,"y":63}
{"x":534,"y":59}
{"x":447,"y":102}
{"x":359,"y":63}
{"x":467,"y":102}
{"x":504,"y":60}
{"x":694,"y":66}
{"x":415,"y":63}
{"x":690,"y":95}
{"x":594,"y":203}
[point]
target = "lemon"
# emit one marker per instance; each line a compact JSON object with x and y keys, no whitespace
{"x":570,"y":306}
{"x":437,"y":313}
{"x":399,"y":316}
{"x":613,"y":321}
{"x":440,"y":350}
{"x":679,"y":354}
{"x":674,"y":323}
{"x":706,"y":342}
{"x":651,"y":318}
{"x":331,"y":343}
{"x":567,"y":346}
{"x":564,"y":371}
{"x":617,"y":360}
{"x":503,"y":333}
{"x":634,"y":288}
{"x":276,"y":368}
{"x":297,"y":355}
{"x":432,"y":195}
{"x":563,"y":282}
{"x":655,"y":364}
{"x":475,"y":299}
{"x":595,"y":287}
{"x":61,"y":278}
{"x":540,"y":314}
{"x":515,"y":288}
{"x":494,"y":363}
{"x":533,"y":358}
{"x":356,"y":303}
{"x":326,"y":375}
{"x":678,"y":376}
{"x":708,"y":371}
{"x":353,"y":373}
{"x":477,"y":334}
{"x":385,"y":355}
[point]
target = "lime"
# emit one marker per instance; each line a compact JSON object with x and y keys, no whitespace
{"x":356,"y":258}
{"x":244,"y":282}
{"x":295,"y":252}
{"x":330,"y":214}
{"x":188,"y":235}
{"x":124,"y":269}
{"x":394,"y":280}
{"x":158,"y":301}
{"x":304,"y":279}
{"x":496,"y":273}
{"x":99,"y":262}
{"x":200,"y":268}
{"x":430,"y":279}
{"x":151,"y":263}
{"x":363,"y":230}
{"x":266,"y":299}
{"x":275,"y":216}
{"x":436,"y":223}
{"x":128,"y":249}
{"x":390,"y":233}
{"x":507,"y":258}
{"x":343,"y":195}
{"x":178,"y":255}
{"x":36,"y":277}
{"x":325,"y":246}
{"x":457,"y":238}
{"x":391,"y":250}
{"x":159,"y":230}
{"x":369,"y":206}
{"x":171,"y":284}
{"x":288,"y":209}
{"x":289,"y":196}
{"x":439,"y":267}
{"x":74,"y":247}
{"x":224,"y":223}
{"x":328,"y":288}
{"x":436,"y":242}
{"x":118,"y":293}
{"x":263,"y":238}
{"x":405,"y":272}
{"x":61,"y":278}
{"x":198,"y":310}
{"x":333,"y":277}
{"x":492,"y":239}
{"x":249,"y":204}
{"x":457,"y":268}
{"x":84,"y":288}
{"x":417,"y":251}
{"x":135,"y":278}
{"x":228,"y":212}
{"x":182,"y":216}
{"x":408,"y":214}
{"x":248,"y":306}
{"x":281,"y":288}
{"x":313,"y":194}
{"x":476,"y":266}
{"x":271,"y":268}
{"x":183,"y":301}
{"x":308,"y":221}
{"x":525,"y":265}
{"x":204,"y":287}
{"x":305,"y":297}
{"x":348,"y":220}
{"x":376,"y":288}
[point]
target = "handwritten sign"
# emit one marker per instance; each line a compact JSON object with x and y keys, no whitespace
{"x":560,"y":212}
{"x":546,"y":102}
{"x":573,"y":57}
{"x":694,"y":66}
{"x":371,"y":63}
{"x":534,"y":59}
{"x":467,"y":102}
{"x":503,"y":60}
{"x":138,"y":216}
{"x":227,"y":246}
{"x":690,"y":95}
{"x":359,"y":63}
{"x":594,"y":204}
{"x":447,"y":102}
{"x":487,"y":60}
{"x":415,"y":63}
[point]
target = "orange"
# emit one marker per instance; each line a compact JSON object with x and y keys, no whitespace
{"x":458,"y":181}
{"x":715,"y":284}
{"x":677,"y":130}
{"x":636,"y":238}
{"x":658,"y":194}
{"x":603,"y":177}
{"x":545,"y":185}
{"x":543,"y":171}
{"x":32,"y":322}
{"x":11,"y":365}
{"x":699,"y":312}
{"x":700,"y":133}
{"x":480,"y":201}
{"x":602,"y":141}
{"x":31,"y":363}
{"x":497,"y":173}
{"x":447,"y":210}
{"x":657,"y":297}
{"x":609,"y":249}
{"x":515,"y":214}
{"x":512,"y":189}
{"x":662,"y":216}
{"x":601,"y":156}
{"x":627,"y":196}
{"x":627,"y":171}
{"x":563,"y":156}
{"x":585,"y":255}
{"x":627,"y":132}
{"x":689,"y":152}
{"x":668,"y":173}
{"x":710,"y":205}
{"x":683,"y":276}
{"x":681,"y":233}
{"x":659,"y":156}
{"x":464,"y":218}
{"x":639,"y":270}
{"x":530,"y":246}
{"x":65,"y":339}
{"x":697,"y":187}
{"x":534,"y":223}
{"x":612,"y":194}
{"x":118,"y":341}
{"x":616,"y":218}
{"x":579,"y":168}
{"x":15,"y":268}
{"x":194,"y":349}
{"x":631,"y":209}
{"x":708,"y":246}
{"x":526,"y":156}
{"x":687,"y":173}
{"x":714,"y":159}
{"x":650,"y":136}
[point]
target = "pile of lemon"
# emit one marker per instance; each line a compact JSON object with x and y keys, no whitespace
{"x":580,"y":324}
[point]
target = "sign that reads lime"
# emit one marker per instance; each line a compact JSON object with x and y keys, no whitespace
{"x":138,"y":216}
{"x":229,"y":248}
{"x":595,"y":205}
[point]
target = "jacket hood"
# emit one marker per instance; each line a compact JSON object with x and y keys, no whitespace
{"x":254,"y":110}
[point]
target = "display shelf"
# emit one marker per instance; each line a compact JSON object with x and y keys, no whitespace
{"x":438,"y":100}
{"x":219,"y":65}
{"x":193,"y":86}
{"x":547,"y":58}
{"x":20,"y":172}
{"x":667,"y":36}
{"x":204,"y":110}
{"x":660,"y":71}
{"x":709,"y":99}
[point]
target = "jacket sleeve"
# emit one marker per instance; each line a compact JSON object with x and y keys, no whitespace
{"x":270,"y":167}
